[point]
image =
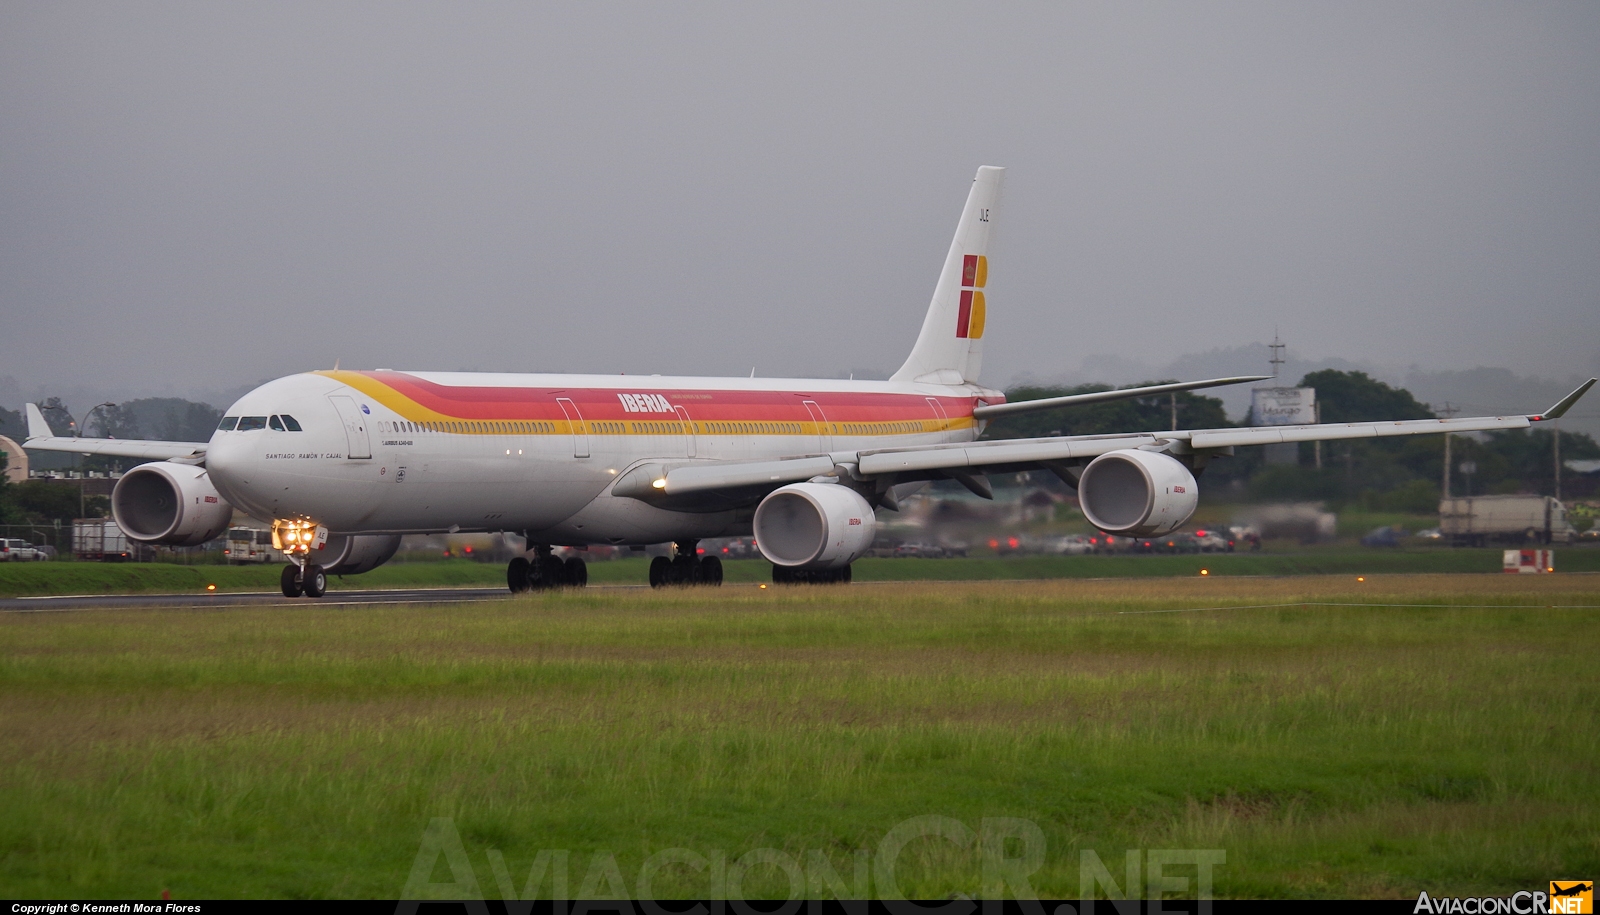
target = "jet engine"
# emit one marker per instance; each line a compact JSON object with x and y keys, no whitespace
{"x":814,"y":526}
{"x":352,"y":554}
{"x":1136,"y":492}
{"x":169,"y":503}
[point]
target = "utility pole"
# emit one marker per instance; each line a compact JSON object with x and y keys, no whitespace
{"x":1555,"y":427}
{"x":1174,"y":400}
{"x":1316,"y":446}
{"x":1447,"y":411}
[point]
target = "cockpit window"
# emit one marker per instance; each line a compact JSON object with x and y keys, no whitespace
{"x":291,"y":423}
{"x":247,"y":423}
{"x":227,"y":424}
{"x":275,"y":424}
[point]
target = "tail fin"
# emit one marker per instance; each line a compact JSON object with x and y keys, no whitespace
{"x":950,"y":348}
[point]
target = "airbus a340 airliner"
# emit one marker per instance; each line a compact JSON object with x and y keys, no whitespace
{"x":342,"y":463}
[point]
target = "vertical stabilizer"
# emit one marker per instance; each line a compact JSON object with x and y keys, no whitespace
{"x":950,"y":348}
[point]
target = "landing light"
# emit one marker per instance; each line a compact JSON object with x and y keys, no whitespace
{"x":659,"y":484}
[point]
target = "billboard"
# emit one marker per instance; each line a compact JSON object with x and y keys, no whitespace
{"x":1283,"y":406}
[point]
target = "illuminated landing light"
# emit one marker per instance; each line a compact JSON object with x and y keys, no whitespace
{"x":508,"y":451}
{"x":659,"y":484}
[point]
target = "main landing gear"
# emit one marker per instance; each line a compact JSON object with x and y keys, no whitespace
{"x":783,"y":575}
{"x":545,"y":570}
{"x":687,"y":568}
{"x":303,"y":578}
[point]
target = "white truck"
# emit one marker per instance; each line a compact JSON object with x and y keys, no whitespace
{"x":1478,"y":520}
{"x":100,"y":540}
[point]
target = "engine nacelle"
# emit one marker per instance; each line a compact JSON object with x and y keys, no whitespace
{"x":352,"y":554}
{"x":169,"y":503}
{"x":814,"y":526}
{"x":1137,"y":492}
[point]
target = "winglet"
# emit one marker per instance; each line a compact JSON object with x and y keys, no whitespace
{"x":37,"y":427}
{"x":1565,"y":404}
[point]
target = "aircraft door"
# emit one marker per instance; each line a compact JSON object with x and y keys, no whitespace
{"x":357,"y":443}
{"x":688,"y":431}
{"x":580,"y":433}
{"x":939,"y":414}
{"x":820,"y":420}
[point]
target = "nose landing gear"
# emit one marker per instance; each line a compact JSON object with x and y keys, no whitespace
{"x":303,"y":578}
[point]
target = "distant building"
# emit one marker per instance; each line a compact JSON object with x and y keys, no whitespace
{"x":16,"y":460}
{"x":1283,"y":407}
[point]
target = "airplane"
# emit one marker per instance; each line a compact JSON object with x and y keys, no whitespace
{"x":343,"y":463}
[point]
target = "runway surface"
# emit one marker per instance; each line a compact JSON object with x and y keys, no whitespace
{"x":248,"y":599}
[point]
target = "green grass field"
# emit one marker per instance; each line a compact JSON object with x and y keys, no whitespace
{"x":43,"y":578}
{"x":1431,"y":732}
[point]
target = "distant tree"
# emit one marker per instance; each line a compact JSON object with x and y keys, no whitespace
{"x":1355,"y":397}
{"x":12,"y":425}
{"x":57,"y":416}
{"x":1143,"y":414}
{"x":45,"y":501}
{"x":172,"y":419}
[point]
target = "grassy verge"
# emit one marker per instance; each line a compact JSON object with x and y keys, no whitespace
{"x":1430,"y":733}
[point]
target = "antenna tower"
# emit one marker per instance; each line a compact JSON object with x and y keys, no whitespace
{"x":1277,"y":346}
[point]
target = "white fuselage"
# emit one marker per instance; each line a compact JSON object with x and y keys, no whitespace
{"x":426,"y":452}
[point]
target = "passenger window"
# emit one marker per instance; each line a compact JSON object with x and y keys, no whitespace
{"x":251,"y":423}
{"x":275,"y":424}
{"x":227,"y":424}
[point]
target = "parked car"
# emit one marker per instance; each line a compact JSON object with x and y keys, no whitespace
{"x":1384,"y":536}
{"x":1212,"y":541}
{"x":1431,"y":534}
{"x":19,"y":551}
{"x":1071,"y":545}
{"x":1177,"y":543}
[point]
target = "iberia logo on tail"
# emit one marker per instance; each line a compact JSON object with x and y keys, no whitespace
{"x":974,"y":276}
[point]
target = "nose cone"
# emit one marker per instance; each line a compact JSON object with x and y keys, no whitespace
{"x":251,"y":469}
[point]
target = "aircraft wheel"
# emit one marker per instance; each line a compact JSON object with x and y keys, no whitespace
{"x":517,"y":575}
{"x":843,"y":576}
{"x":782,"y":575}
{"x":684,"y":571}
{"x":290,"y":581}
{"x":315,"y":582}
{"x":577,"y":572}
{"x":552,"y":573}
{"x":659,"y":567}
{"x":711,"y":571}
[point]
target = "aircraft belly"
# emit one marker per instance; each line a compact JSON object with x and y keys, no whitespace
{"x":608,"y":519}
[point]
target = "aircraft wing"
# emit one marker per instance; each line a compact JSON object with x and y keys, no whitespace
{"x":680,"y":483}
{"x":41,"y":438}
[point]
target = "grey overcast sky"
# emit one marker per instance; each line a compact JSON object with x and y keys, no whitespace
{"x":202,"y":195}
